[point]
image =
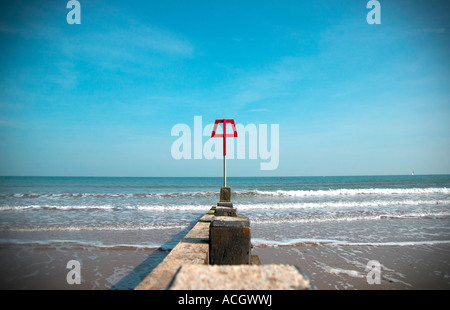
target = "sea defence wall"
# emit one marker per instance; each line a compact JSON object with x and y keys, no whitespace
{"x":216,"y":254}
{"x":193,"y":249}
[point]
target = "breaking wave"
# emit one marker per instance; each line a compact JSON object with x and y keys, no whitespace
{"x":248,"y":193}
{"x":314,"y":242}
{"x":155,"y":208}
{"x":243,"y":207}
{"x":99,"y":227}
{"x":346,"y":192}
{"x":353,"y":218}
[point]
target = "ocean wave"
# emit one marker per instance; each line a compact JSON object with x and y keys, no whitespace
{"x":61,"y":244}
{"x":246,"y":193}
{"x":341,"y":204}
{"x":346,"y":192}
{"x":109,"y":195}
{"x":352,"y":218}
{"x":259,"y":242}
{"x":61,"y":208}
{"x":68,"y":227}
{"x":155,"y":208}
{"x":354,"y":204}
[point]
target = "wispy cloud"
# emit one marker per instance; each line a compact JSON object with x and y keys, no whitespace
{"x":135,"y":41}
{"x":116,"y":44}
{"x":8,"y":29}
{"x":272,"y":82}
{"x":14,"y":123}
{"x":260,"y":110}
{"x":427,"y":31}
{"x":432,"y":30}
{"x":134,"y":50}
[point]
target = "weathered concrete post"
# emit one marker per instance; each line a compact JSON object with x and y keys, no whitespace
{"x":230,"y":240}
{"x":225,"y":206}
{"x":225,"y":194}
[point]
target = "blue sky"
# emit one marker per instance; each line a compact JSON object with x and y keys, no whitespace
{"x":101,"y":98}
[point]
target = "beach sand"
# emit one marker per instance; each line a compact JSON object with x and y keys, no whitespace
{"x":38,"y":267}
{"x":331,"y":267}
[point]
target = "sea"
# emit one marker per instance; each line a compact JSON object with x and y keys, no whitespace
{"x":153,"y":212}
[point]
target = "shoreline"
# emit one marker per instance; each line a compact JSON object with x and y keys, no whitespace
{"x":38,"y":267}
{"x":329,"y":267}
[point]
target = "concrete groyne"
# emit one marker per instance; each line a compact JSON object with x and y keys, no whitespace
{"x":193,"y":249}
{"x":216,"y":254}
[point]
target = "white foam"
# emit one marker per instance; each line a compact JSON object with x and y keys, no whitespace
{"x":242,"y":207}
{"x":348,"y":192}
{"x":49,"y":207}
{"x":90,"y":228}
{"x":341,"y":204}
{"x":351,"y":273}
{"x":258,"y":242}
{"x":351,"y":218}
{"x":106,"y":195}
{"x":165,"y":208}
{"x":159,"y":208}
{"x":255,"y":192}
{"x":77,"y":243}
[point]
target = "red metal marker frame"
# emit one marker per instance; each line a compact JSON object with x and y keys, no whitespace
{"x":225,"y":135}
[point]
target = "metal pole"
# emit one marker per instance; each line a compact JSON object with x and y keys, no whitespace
{"x":224,"y":153}
{"x":224,"y":172}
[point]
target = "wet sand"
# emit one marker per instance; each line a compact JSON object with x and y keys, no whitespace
{"x":37,"y":267}
{"x":329,"y":267}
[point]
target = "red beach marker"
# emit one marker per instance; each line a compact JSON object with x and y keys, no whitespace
{"x":225,"y":135}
